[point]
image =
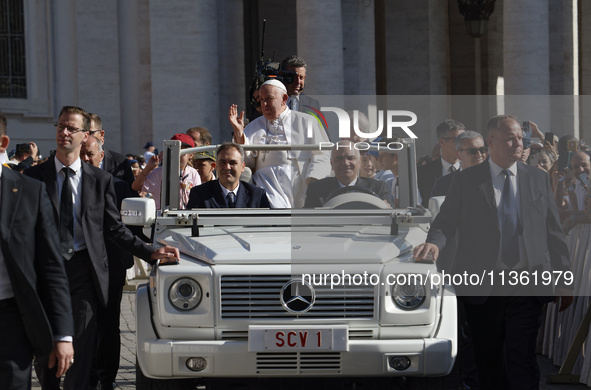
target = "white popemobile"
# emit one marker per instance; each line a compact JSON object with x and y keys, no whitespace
{"x":259,"y":294}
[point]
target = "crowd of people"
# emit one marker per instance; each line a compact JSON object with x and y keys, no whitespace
{"x":75,"y":273}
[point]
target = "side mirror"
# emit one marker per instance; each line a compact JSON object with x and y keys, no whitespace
{"x":138,"y":211}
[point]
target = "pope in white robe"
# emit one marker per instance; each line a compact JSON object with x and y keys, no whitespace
{"x":284,"y":174}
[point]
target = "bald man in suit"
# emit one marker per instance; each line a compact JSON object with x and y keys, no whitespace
{"x":345,"y":161}
{"x":506,"y":220}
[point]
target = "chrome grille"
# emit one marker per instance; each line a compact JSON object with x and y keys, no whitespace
{"x":298,"y":363}
{"x":258,"y":296}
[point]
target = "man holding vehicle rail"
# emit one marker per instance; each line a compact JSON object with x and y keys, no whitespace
{"x":506,"y":220}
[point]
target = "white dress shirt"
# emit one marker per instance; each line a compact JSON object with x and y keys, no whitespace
{"x":76,"y":185}
{"x":498,"y":181}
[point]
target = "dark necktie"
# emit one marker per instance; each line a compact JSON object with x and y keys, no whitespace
{"x":66,"y":217}
{"x":230,"y":200}
{"x":293,"y":103}
{"x":509,"y":224}
{"x":451,"y":169}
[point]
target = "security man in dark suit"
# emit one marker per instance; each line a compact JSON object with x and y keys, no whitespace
{"x":470,"y":150}
{"x":506,"y":220}
{"x":228,"y":190}
{"x":83,"y":201}
{"x":297,"y":100}
{"x":345,"y":161}
{"x":115,"y":163}
{"x":108,"y":317}
{"x":447,"y":132}
{"x":35,"y":309}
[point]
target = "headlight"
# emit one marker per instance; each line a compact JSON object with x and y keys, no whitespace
{"x":408,"y":296}
{"x":185,"y":294}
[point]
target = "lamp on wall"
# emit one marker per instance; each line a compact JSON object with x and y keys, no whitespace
{"x":476,"y":14}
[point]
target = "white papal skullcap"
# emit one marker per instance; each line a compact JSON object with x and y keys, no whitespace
{"x":275,"y":83}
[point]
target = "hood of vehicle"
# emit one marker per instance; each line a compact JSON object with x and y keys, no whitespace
{"x":276,"y":245}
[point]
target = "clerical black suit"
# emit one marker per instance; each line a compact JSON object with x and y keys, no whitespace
{"x":502,"y":325}
{"x":210,"y":195}
{"x":319,"y":190}
{"x":108,"y":317}
{"x":441,"y":185}
{"x":426,"y":176}
{"x":119,"y":166}
{"x":30,"y":247}
{"x":88,"y":270}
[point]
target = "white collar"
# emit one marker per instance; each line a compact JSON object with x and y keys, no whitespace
{"x":75,"y":166}
{"x":496,"y":169}
{"x":227,"y":191}
{"x":348,"y":185}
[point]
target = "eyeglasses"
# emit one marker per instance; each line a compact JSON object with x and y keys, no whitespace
{"x":71,"y":129}
{"x":92,"y":132}
{"x":482,"y":150}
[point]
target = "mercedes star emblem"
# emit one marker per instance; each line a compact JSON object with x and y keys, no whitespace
{"x":297,"y":296}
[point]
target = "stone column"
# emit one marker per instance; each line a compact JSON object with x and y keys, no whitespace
{"x":98,"y":65}
{"x":526,"y":60}
{"x":129,"y":64}
{"x":184,"y":67}
{"x":66,"y":60}
{"x":585,"y":70}
{"x":320,"y":44}
{"x":359,"y":57}
{"x":564,"y":66}
{"x":231,"y":64}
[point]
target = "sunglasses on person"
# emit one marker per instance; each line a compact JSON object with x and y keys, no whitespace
{"x":473,"y":151}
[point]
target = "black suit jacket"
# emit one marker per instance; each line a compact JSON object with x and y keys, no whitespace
{"x":100,"y":218}
{"x":30,"y":247}
{"x":318,"y":191}
{"x":307,"y":101}
{"x":470,"y":209}
{"x":119,"y":260}
{"x":210,"y":195}
{"x":426,"y":176}
{"x":119,"y":166}
{"x":441,"y":186}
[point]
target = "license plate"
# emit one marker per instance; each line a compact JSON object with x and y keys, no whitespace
{"x":262,"y":338}
{"x":298,"y":339}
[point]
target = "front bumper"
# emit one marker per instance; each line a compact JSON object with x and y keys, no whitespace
{"x":166,"y":358}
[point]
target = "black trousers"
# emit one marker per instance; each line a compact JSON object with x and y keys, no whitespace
{"x":504,"y":333}
{"x":84,"y":309}
{"x":109,"y":334}
{"x":16,"y":353}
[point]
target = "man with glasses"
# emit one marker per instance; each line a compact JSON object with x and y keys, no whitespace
{"x":114,"y":163}
{"x":85,"y":222}
{"x":470,"y":151}
{"x":447,"y":132}
{"x":109,"y":340}
{"x":35,"y":309}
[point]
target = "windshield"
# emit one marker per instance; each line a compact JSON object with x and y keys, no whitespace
{"x":328,"y":175}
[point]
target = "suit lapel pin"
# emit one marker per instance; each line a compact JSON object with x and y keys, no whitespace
{"x":15,"y":190}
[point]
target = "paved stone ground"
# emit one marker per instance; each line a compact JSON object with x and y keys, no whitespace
{"x":126,"y":375}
